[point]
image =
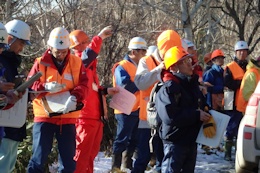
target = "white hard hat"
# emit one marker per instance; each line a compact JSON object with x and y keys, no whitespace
{"x":3,"y":34}
{"x":59,"y":38}
{"x":184,"y":44}
{"x":137,"y":43}
{"x":240,"y":45}
{"x":188,"y":42}
{"x":150,"y":50}
{"x":19,"y":29}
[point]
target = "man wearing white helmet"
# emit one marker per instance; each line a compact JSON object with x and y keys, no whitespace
{"x":191,"y":49}
{"x":150,"y":50}
{"x":123,"y":75}
{"x":3,"y":37}
{"x":64,"y":80}
{"x":233,"y":75}
{"x":3,"y":43}
{"x":18,"y":36}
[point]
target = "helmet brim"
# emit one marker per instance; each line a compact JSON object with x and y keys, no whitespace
{"x":27,"y":42}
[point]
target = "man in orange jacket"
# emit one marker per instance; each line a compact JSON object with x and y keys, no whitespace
{"x":64,"y":80}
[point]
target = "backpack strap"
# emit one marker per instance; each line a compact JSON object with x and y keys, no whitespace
{"x":154,"y":90}
{"x":154,"y":61}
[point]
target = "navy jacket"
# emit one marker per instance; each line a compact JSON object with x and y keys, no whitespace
{"x":216,"y":78}
{"x":10,"y":62}
{"x":177,"y":103}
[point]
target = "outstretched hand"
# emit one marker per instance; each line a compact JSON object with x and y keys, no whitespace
{"x":106,"y":32}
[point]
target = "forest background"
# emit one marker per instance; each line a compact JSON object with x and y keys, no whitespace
{"x":210,"y":24}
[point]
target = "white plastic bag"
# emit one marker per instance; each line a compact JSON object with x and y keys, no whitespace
{"x":228,"y":99}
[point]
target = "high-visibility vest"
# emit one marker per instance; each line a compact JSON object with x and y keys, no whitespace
{"x":130,"y":68}
{"x":242,"y":103}
{"x":145,"y":94}
{"x":237,"y":73}
{"x":69,"y":77}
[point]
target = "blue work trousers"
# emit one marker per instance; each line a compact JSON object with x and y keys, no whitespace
{"x":233,"y":124}
{"x":126,"y":136}
{"x":43,"y":134}
{"x":179,"y":158}
{"x":143,"y":151}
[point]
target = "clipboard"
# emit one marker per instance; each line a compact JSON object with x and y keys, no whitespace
{"x":123,"y":101}
{"x":28,"y":83}
{"x":15,"y":116}
{"x":221,"y":125}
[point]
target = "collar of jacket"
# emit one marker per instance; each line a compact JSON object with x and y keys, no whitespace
{"x":252,"y":64}
{"x":217,"y":68}
{"x":48,"y":61}
{"x":12,"y":58}
{"x":241,"y":63}
{"x":129,"y":59}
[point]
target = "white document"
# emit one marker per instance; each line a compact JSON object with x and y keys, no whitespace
{"x":221,"y":125}
{"x":15,"y":116}
{"x":56,"y":102}
{"x":123,"y":101}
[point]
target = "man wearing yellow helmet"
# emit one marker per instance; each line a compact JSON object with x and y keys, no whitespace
{"x":149,"y":68}
{"x":177,"y":104}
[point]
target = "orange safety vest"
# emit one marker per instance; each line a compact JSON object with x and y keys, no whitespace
{"x":237,"y":73}
{"x":242,"y":103}
{"x":69,"y":77}
{"x":130,"y":68}
{"x":145,"y":94}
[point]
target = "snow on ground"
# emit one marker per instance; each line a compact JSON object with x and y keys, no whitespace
{"x":213,"y":163}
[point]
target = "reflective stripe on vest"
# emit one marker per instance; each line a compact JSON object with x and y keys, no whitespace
{"x":241,"y":105}
{"x":130,"y":68}
{"x":70,"y":77}
{"x":237,"y":73}
{"x":145,"y":94}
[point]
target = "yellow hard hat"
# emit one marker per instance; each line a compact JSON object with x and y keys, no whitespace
{"x":173,"y":55}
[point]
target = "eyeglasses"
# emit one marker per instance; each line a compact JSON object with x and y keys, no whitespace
{"x":187,"y":60}
{"x":143,"y":50}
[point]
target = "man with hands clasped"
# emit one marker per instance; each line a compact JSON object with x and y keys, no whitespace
{"x":64,"y":80}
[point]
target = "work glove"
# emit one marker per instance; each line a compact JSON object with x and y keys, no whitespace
{"x":53,"y":87}
{"x":70,"y":105}
{"x":209,"y":128}
{"x":105,"y":32}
